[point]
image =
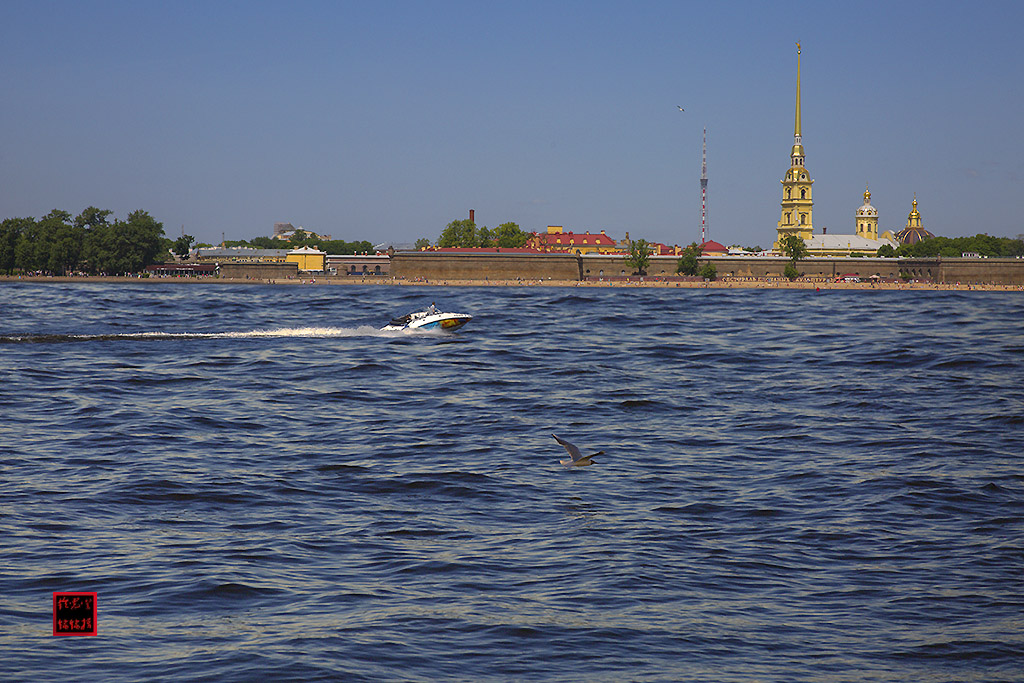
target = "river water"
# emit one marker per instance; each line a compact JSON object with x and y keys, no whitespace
{"x":795,"y":486}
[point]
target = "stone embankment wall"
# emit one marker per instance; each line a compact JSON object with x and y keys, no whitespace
{"x":259,"y":271}
{"x":497,"y":266}
{"x":412,"y":265}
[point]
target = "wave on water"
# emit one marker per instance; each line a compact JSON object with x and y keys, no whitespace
{"x":309,"y":332}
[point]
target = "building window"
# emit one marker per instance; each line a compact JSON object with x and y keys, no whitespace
{"x":803,"y":194}
{"x":789,"y":191}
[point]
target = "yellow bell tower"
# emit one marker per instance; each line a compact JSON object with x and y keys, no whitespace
{"x":867,"y":218}
{"x":797,"y":204}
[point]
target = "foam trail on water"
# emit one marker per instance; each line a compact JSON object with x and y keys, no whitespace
{"x":285,"y":332}
{"x":362,"y":331}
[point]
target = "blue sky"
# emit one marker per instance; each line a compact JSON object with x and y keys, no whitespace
{"x":387,"y":120}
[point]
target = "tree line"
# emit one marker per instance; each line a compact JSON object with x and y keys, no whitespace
{"x":954,"y":247}
{"x":301,"y":238}
{"x":465,"y":233}
{"x":91,"y":242}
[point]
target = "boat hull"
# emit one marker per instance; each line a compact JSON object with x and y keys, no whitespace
{"x":445,"y":322}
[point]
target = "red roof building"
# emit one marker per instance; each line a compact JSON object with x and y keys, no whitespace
{"x":557,"y":240}
{"x":484,"y":250}
{"x":713,"y":248}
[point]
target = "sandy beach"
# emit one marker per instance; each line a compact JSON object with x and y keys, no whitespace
{"x":725,"y":283}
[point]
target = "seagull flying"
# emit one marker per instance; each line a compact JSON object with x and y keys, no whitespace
{"x":680,"y":108}
{"x":578,"y":459}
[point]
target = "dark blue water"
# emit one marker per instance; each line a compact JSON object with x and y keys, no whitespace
{"x":797,"y":486}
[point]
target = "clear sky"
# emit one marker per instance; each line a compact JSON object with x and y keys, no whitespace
{"x":386,"y":120}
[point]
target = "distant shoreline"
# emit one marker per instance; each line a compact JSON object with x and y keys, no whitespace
{"x":725,"y":283}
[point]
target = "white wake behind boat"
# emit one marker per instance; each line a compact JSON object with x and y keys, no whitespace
{"x":429,"y":319}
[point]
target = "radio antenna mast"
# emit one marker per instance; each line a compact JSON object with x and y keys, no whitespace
{"x":704,"y":190}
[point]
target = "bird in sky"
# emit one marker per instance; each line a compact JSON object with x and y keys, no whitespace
{"x":578,"y":459}
{"x":680,"y":108}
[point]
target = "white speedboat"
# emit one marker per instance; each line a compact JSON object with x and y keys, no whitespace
{"x":429,"y":319}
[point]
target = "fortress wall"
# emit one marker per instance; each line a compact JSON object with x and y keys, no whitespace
{"x":410,"y":265}
{"x":988,"y":270}
{"x":449,"y":266}
{"x":259,"y":271}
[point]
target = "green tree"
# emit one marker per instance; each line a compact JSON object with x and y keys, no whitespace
{"x":300,"y":239}
{"x":92,"y":222}
{"x":49,"y":245}
{"x":11,"y":231}
{"x":125,"y":246}
{"x":26,"y":250}
{"x":422,"y":243}
{"x":66,"y":248}
{"x":459,"y":234}
{"x":708,"y":271}
{"x":183,"y":245}
{"x":790,"y":271}
{"x":947,"y":247}
{"x":639,"y":256}
{"x":794,"y":247}
{"x":886,"y":251}
{"x":343,"y":247}
{"x":92,"y":217}
{"x":510,"y":236}
{"x":484,"y":237}
{"x":687,"y":263}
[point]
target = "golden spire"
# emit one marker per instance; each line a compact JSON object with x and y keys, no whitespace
{"x":798,"y":149}
{"x":867,"y":194}
{"x":914,"y":219}
{"x":796,"y":128}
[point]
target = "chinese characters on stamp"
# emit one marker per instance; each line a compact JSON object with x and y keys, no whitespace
{"x":74,"y":614}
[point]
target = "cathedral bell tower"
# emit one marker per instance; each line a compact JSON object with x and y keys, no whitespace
{"x":797,"y":204}
{"x":867,"y":218}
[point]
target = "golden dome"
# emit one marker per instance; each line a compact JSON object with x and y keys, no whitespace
{"x":914,"y":215}
{"x":914,"y":232}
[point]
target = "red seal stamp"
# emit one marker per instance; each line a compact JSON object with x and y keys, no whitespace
{"x":74,"y":614}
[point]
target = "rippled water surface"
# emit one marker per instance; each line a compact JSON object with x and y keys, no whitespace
{"x":796,"y":486}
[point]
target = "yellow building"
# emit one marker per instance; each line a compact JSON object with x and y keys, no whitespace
{"x":797,"y":207}
{"x":308,"y":259}
{"x":866,"y":241}
{"x":797,"y":204}
{"x":867,"y":218}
